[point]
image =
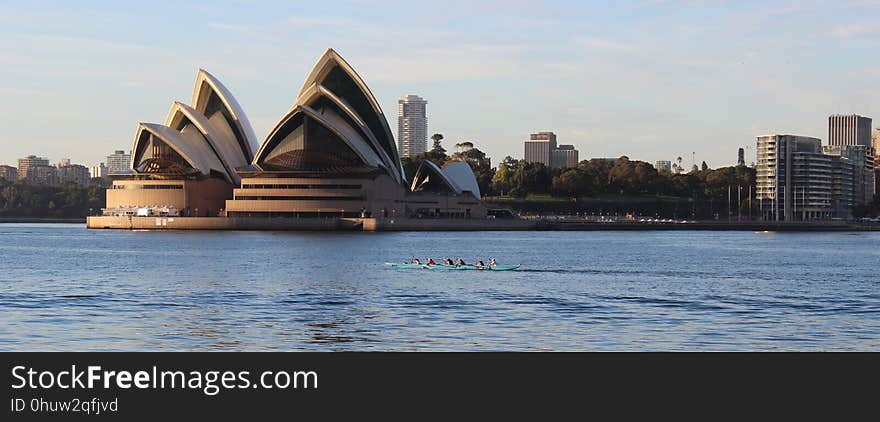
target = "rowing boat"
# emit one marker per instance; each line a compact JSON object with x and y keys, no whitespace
{"x":450,"y":267}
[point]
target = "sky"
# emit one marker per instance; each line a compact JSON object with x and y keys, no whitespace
{"x":651,"y":79}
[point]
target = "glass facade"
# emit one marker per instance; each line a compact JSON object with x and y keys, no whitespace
{"x":303,"y":143}
{"x":156,"y":157}
{"x":341,"y":84}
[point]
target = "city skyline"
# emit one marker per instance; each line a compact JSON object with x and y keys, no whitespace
{"x":705,"y":78}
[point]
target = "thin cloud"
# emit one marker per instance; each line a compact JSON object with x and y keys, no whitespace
{"x":853,"y":30}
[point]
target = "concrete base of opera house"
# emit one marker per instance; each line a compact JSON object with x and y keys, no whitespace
{"x":281,"y":223}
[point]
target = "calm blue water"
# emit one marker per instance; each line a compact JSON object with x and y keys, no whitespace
{"x":63,"y":287}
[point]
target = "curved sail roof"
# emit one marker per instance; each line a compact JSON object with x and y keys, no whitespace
{"x":293,"y":137}
{"x":460,"y":173}
{"x":211,"y":97}
{"x":429,"y":177}
{"x":334,"y":73}
{"x":223,"y":143}
{"x":197,"y":153}
{"x":317,"y":96}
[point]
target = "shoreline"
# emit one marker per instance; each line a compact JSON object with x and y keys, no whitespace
{"x":43,"y":220}
{"x":382,"y":224}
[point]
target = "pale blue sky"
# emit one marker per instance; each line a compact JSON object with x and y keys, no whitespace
{"x":649,"y":79}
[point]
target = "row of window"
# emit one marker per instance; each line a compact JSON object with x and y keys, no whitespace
{"x":300,"y":186}
{"x":298,"y":198}
{"x":146,"y":187}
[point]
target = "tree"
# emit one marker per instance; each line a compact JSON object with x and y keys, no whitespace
{"x":437,"y":137}
{"x":571,"y":183}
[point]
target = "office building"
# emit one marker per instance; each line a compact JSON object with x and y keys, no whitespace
{"x":73,"y":173}
{"x":98,"y":170}
{"x":412,"y":125}
{"x":8,"y":173}
{"x":793,"y":178}
{"x":541,"y":148}
{"x":118,"y":163}
{"x":663,"y":166}
{"x":564,"y":156}
{"x":850,"y":129}
{"x":27,"y":164}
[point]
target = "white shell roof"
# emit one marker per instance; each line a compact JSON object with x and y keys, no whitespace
{"x":462,"y":176}
{"x":224,"y":143}
{"x":199,"y":102}
{"x":322,"y":68}
{"x":198,"y":154}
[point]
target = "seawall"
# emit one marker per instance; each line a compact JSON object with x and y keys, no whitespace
{"x":378,"y":224}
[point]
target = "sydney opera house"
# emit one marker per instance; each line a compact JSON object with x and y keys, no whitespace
{"x":331,"y":155}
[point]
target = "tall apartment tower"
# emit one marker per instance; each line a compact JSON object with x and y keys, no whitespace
{"x":741,"y":157}
{"x":794,"y":178}
{"x":118,"y":162}
{"x":849,"y":130}
{"x":27,"y":165}
{"x":98,"y":170}
{"x":412,"y":125}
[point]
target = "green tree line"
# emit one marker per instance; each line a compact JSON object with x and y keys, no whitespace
{"x":19,"y":199}
{"x":620,"y":185}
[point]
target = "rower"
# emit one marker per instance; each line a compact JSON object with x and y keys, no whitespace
{"x":416,"y":261}
{"x":492,"y":262}
{"x":447,"y":261}
{"x":459,"y":262}
{"x":431,"y":261}
{"x":480,"y":263}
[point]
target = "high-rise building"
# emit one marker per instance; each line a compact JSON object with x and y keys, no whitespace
{"x":8,"y":173}
{"x":42,"y":174}
{"x":875,"y":142}
{"x":849,"y":130}
{"x":118,"y":162}
{"x":741,"y":157}
{"x":565,"y":156}
{"x":541,"y":148}
{"x":861,"y":160}
{"x":663,"y":166}
{"x":793,"y":178}
{"x":98,"y":170}
{"x":27,"y":164}
{"x":73,"y":173}
{"x":412,"y":125}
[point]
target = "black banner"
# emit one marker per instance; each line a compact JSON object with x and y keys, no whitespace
{"x":41,"y":386}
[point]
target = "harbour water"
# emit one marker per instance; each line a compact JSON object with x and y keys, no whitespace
{"x":63,"y":287}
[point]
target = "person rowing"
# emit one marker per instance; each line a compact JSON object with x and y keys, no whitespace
{"x":492,"y":262}
{"x":447,"y":261}
{"x":459,"y":262}
{"x":415,"y":261}
{"x":480,"y":263}
{"x":431,"y":261}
